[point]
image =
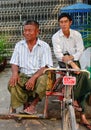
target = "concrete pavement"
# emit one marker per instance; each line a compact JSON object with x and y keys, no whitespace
{"x":4,"y":94}
{"x":28,"y":124}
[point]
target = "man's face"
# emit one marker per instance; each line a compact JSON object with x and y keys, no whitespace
{"x":65,"y":24}
{"x":30,"y":32}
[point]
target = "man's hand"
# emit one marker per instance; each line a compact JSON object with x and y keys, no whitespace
{"x":14,"y":80}
{"x":67,"y":58}
{"x":30,"y":83}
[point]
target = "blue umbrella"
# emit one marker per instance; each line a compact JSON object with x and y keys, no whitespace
{"x":78,"y":7}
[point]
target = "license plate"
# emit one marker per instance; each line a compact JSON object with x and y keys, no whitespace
{"x":69,"y":80}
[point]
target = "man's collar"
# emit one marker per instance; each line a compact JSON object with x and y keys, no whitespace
{"x":37,"y":42}
{"x":61,"y":33}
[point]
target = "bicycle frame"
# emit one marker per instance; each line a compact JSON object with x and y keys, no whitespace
{"x":65,"y":97}
{"x":68,"y":113}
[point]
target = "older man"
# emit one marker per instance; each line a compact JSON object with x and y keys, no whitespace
{"x":30,"y":58}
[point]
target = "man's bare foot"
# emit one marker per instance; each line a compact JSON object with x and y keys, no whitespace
{"x":85,"y":122}
{"x":12,"y":110}
{"x":83,"y":119}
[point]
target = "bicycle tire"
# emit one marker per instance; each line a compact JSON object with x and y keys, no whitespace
{"x":68,"y":119}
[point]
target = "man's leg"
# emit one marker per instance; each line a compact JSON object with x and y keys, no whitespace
{"x":83,"y":86}
{"x":19,"y":95}
{"x":40,"y":89}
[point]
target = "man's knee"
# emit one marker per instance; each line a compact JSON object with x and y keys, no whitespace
{"x":84,"y":75}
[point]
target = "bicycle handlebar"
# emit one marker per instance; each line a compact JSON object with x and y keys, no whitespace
{"x":67,"y":70}
{"x":61,"y":69}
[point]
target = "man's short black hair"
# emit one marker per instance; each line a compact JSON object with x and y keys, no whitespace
{"x":32,"y":22}
{"x":64,"y":15}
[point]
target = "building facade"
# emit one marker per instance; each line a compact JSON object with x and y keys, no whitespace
{"x":13,"y":13}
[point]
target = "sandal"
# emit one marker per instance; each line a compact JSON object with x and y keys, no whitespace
{"x":30,"y":113}
{"x":88,"y":126}
{"x":30,"y":110}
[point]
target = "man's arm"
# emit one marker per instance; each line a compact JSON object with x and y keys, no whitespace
{"x":74,"y":66}
{"x":31,"y":82}
{"x":15,"y":77}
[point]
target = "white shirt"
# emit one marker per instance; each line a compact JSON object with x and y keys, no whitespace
{"x":85,"y":59}
{"x":73,"y":45}
{"x":30,"y":62}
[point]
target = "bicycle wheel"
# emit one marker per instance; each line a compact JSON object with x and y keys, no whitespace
{"x":68,"y":119}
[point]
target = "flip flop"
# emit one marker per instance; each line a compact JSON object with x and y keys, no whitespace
{"x":88,"y":126}
{"x":22,"y":112}
{"x":30,"y":112}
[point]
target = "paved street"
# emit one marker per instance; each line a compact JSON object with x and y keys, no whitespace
{"x":27,"y":124}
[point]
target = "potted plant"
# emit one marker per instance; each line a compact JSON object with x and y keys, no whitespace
{"x":3,"y":52}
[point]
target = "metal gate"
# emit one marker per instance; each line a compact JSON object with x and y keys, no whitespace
{"x":13,"y":13}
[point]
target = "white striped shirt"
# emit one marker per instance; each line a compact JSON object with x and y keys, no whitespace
{"x":30,"y":62}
